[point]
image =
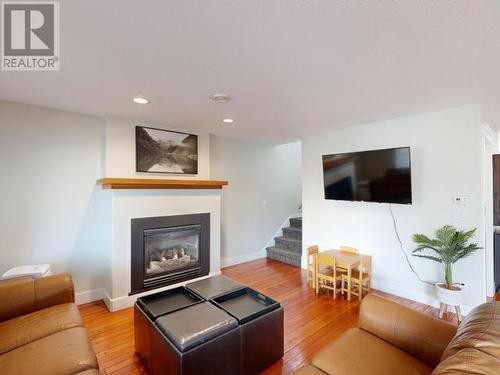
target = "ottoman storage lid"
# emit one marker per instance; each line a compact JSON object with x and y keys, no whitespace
{"x":246,"y":304}
{"x":195,"y":325}
{"x":214,"y":286}
{"x":168,"y":301}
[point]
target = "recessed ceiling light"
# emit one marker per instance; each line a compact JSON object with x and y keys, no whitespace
{"x":228,"y":121}
{"x":220,"y":98}
{"x":140,"y":100}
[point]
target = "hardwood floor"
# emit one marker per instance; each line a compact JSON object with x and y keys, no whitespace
{"x":310,"y":321}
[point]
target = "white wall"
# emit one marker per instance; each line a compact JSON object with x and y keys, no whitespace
{"x":51,"y":210}
{"x":119,"y":161}
{"x":119,"y":149}
{"x":447,"y":159}
{"x":264,"y":189}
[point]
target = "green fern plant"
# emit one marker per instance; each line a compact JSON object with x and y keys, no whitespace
{"x":449,"y":246}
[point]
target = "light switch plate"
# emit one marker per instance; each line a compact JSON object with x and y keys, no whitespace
{"x":461,"y":199}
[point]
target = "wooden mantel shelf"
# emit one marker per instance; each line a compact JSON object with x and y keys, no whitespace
{"x":156,"y":183}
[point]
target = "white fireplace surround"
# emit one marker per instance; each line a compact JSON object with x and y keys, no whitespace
{"x":129,"y":204}
{"x":119,"y":161}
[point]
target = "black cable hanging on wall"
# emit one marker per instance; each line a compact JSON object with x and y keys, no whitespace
{"x":402,"y":247}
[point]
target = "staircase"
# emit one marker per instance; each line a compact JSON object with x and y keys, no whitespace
{"x":288,"y":248}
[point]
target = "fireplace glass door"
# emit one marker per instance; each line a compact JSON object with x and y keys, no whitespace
{"x":167,"y":250}
{"x":172,"y":249}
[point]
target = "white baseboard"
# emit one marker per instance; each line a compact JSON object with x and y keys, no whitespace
{"x":415,"y":296}
{"x":119,"y":303}
{"x":242,"y":258}
{"x":88,"y":296}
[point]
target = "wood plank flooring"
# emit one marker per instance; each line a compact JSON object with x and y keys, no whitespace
{"x":311,"y":321}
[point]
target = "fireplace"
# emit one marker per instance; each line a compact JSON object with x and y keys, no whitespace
{"x":169,"y":249}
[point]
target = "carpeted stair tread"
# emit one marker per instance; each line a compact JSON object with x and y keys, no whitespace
{"x":288,"y":247}
{"x":296,"y":222}
{"x":284,"y":256}
{"x":290,"y":239}
{"x":291,"y":232}
{"x":283,"y":251}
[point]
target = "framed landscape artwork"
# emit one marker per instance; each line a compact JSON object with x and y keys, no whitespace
{"x":165,"y":151}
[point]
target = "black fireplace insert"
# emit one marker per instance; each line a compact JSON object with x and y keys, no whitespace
{"x":168,"y":250}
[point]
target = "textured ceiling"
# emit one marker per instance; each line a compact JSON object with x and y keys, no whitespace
{"x":293,"y":68}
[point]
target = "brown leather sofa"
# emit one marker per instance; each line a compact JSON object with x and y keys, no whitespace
{"x":393,"y":339}
{"x":41,"y":331}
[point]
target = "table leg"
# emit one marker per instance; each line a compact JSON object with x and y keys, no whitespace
{"x":459,"y":315}
{"x":349,"y":283}
{"x":314,"y":273}
{"x":442,"y":309}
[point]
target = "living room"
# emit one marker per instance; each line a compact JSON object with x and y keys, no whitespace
{"x":174,"y":160}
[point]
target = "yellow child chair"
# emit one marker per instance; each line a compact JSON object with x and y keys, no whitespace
{"x":360,"y":279}
{"x":326,"y":274}
{"x":311,"y":251}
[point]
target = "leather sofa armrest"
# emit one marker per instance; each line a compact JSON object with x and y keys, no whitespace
{"x":416,"y":333}
{"x":24,"y":295}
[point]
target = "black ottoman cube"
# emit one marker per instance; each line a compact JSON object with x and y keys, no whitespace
{"x":214,"y":286}
{"x":198,"y":339}
{"x":261,"y":325}
{"x":148,"y":309}
{"x":155,"y":305}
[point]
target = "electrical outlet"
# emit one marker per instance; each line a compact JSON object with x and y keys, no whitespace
{"x":461,"y":199}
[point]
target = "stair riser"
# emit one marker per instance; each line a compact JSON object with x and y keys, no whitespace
{"x":285,"y":258}
{"x":296,"y":223}
{"x":291,"y":233}
{"x":291,"y":245}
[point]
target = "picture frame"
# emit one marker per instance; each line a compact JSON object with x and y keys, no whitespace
{"x":165,"y":151}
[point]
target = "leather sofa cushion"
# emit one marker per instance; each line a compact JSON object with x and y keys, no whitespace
{"x":62,"y":353}
{"x":27,"y":328}
{"x":360,"y":352}
{"x":480,"y":330}
{"x":420,"y":335}
{"x":195,"y":325}
{"x":213,"y":286}
{"x":469,"y":362}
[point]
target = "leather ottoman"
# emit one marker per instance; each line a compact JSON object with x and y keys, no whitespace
{"x":260,"y":320}
{"x":198,"y":339}
{"x":214,"y":286}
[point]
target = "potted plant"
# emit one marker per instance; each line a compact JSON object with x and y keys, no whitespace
{"x":449,"y":246}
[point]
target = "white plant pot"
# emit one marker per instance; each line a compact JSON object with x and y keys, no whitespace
{"x":450,"y":297}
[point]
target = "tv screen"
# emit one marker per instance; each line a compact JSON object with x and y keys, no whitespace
{"x":372,"y":176}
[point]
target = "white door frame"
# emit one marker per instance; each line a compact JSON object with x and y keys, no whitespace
{"x":490,"y":147}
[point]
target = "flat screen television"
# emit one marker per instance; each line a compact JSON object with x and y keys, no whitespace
{"x":382,"y":176}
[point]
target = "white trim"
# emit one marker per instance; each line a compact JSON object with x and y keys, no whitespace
{"x":489,"y":133}
{"x":119,"y":303}
{"x":415,"y":296}
{"x":489,"y":138}
{"x":88,"y":296}
{"x":242,"y":258}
